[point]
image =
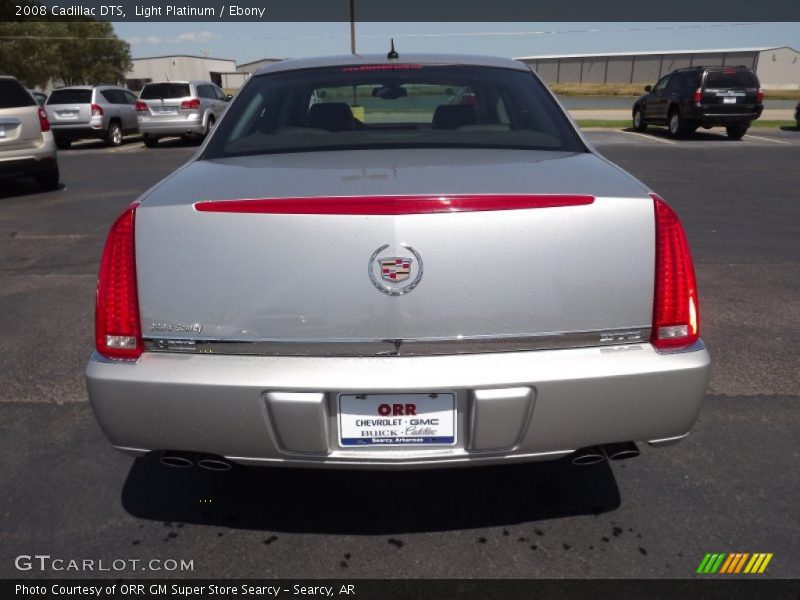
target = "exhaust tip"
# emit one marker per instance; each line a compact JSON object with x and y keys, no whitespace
{"x":621,"y":450}
{"x":587,"y":456}
{"x":214,"y":464}
{"x":180,"y":461}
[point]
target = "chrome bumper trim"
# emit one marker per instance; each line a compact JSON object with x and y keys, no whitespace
{"x":404,"y":347}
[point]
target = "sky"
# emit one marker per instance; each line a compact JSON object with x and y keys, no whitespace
{"x":245,"y":42}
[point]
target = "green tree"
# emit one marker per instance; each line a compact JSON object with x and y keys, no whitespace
{"x":69,"y":52}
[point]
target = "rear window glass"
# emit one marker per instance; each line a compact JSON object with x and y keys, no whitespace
{"x":731,"y":79}
{"x":12,"y":94}
{"x":392,"y":106}
{"x":70,"y":97}
{"x":164,"y":91}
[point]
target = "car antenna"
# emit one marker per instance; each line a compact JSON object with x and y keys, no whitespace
{"x":393,"y":53}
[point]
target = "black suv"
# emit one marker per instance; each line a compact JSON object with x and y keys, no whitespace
{"x":701,"y":97}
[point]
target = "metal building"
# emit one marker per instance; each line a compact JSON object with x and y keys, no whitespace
{"x":777,"y":68}
{"x":181,"y":68}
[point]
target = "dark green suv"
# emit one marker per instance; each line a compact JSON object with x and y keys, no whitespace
{"x":686,"y":99}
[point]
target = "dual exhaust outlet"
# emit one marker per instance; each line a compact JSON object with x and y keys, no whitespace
{"x":594,"y":454}
{"x":187,"y":460}
{"x":585,"y":456}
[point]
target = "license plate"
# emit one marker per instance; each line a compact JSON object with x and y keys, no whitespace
{"x":67,"y":114}
{"x":397,"y":419}
{"x":166,"y":110}
{"x":729,"y":100}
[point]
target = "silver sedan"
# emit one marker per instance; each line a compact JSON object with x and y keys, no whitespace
{"x":365,"y":267}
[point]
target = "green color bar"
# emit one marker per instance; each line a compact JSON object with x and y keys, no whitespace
{"x":718,"y":563}
{"x":701,"y":568}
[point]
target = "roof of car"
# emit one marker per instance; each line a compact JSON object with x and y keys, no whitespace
{"x":182,"y":82}
{"x":89,"y":87}
{"x":405,"y":59}
{"x":719,"y":67}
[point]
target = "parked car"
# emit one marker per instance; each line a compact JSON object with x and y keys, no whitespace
{"x":182,"y":108}
{"x":27,"y":146}
{"x":102,"y":111}
{"x":40,"y":97}
{"x":686,"y":99}
{"x":267,"y":303}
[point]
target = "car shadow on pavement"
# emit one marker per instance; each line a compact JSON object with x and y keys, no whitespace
{"x":367,"y":502}
{"x":24,"y":186}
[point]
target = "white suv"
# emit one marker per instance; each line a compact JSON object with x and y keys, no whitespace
{"x":27,"y":146}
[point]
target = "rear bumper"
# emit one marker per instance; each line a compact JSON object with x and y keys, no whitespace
{"x":27,"y":165}
{"x":711,"y":116}
{"x":178,"y":126}
{"x":542,"y":404}
{"x":79,"y":131}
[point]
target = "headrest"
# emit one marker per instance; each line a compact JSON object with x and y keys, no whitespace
{"x":452,"y":116}
{"x":331,"y":116}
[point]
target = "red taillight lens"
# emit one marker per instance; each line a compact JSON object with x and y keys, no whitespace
{"x":44,"y":122}
{"x":97,"y":111}
{"x":698,"y":96}
{"x":141,"y":106}
{"x":676,"y":314}
{"x":760,"y":95}
{"x":118,"y":333}
{"x":192,"y":104}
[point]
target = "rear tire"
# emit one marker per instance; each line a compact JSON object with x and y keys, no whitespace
{"x":209,"y":126}
{"x":48,"y":180}
{"x":150,"y":141}
{"x":638,"y":120}
{"x":63,"y":143}
{"x":114,"y":134}
{"x":737,"y":131}
{"x":678,"y":127}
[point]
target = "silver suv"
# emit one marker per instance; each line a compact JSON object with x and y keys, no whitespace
{"x":106,"y":112}
{"x":26,"y":142}
{"x":185,"y":108}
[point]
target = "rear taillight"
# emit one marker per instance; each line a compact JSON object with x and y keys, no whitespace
{"x":118,"y":332}
{"x":97,"y":111}
{"x":676,"y":315}
{"x":760,"y":96}
{"x":698,"y":96}
{"x":141,"y":106}
{"x":192,"y":104}
{"x":44,"y":122}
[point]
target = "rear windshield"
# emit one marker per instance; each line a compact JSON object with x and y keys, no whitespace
{"x":165,"y":91}
{"x":70,"y":97}
{"x":12,"y":94}
{"x":731,"y":79}
{"x":392,"y":106}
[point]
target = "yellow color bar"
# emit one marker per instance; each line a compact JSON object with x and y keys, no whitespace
{"x":764,"y":564}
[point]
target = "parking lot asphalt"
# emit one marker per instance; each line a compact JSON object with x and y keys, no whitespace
{"x":732,"y":486}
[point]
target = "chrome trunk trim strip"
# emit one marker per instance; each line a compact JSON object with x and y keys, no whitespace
{"x":404,"y":347}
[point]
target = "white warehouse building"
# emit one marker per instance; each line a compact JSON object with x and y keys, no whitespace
{"x":221,"y":71}
{"x":776,"y":67}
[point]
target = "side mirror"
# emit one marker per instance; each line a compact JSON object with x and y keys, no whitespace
{"x":647,"y":88}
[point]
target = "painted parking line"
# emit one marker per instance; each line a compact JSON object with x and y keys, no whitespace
{"x":130,"y":147}
{"x":756,"y":137}
{"x":647,"y":137}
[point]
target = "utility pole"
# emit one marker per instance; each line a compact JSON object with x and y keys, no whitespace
{"x":353,"y":42}
{"x":352,"y":27}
